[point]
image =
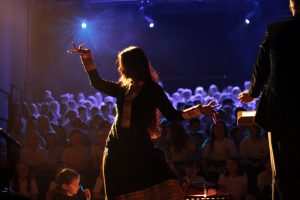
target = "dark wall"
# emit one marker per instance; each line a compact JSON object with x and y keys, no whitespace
{"x":187,"y":48}
{"x":14,"y":51}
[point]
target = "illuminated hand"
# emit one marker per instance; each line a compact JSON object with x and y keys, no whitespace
{"x":245,"y":97}
{"x":209,"y":109}
{"x":78,"y":49}
{"x":85,"y":56}
{"x":87,"y":193}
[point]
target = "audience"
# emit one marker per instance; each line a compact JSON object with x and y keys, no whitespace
{"x":72,"y":132}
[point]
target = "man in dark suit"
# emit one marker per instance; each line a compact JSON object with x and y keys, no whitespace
{"x":275,"y":75}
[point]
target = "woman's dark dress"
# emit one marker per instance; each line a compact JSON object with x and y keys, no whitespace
{"x":131,"y":161}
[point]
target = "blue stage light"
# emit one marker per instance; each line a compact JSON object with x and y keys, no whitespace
{"x":83,"y":25}
{"x":151,"y":25}
{"x":247,"y":21}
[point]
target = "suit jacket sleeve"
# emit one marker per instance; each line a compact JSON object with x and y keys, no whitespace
{"x":261,"y":70}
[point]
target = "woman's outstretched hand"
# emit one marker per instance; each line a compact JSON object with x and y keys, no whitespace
{"x":78,"y":49}
{"x":85,"y":56}
{"x":209,"y":109}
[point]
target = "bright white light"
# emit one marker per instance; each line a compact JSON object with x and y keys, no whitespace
{"x":247,"y":21}
{"x":151,"y":25}
{"x":83,"y":25}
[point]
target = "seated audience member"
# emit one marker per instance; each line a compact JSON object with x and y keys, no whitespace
{"x":76,"y":156}
{"x":233,"y":180}
{"x":22,"y":184}
{"x":69,"y":187}
{"x":253,"y":151}
{"x":216,"y":150}
{"x":33,"y":154}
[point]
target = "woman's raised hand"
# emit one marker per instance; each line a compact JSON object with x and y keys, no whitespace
{"x":78,"y":49}
{"x":85,"y":56}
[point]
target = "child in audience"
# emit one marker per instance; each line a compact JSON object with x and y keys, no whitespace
{"x":22,"y":184}
{"x":69,"y":187}
{"x":233,"y":180}
{"x":216,"y":150}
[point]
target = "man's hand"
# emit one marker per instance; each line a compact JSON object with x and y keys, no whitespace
{"x":209,"y":109}
{"x":245,"y":97}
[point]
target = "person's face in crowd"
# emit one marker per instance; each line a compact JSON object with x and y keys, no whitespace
{"x":22,"y":170}
{"x":186,"y":94}
{"x":176,"y":96}
{"x":45,"y":109}
{"x":94,"y":125}
{"x":94,"y":111}
{"x":213,"y":89}
{"x":72,"y":105}
{"x":247,"y":85}
{"x":47,"y":94}
{"x":33,"y":108}
{"x":76,"y":123}
{"x":76,"y":139}
{"x":82,"y":113}
{"x":73,"y":187}
{"x":105,"y":110}
{"x":231,"y":166}
{"x":110,"y":106}
{"x":63,"y":108}
{"x":219,"y":130}
{"x":80,"y":97}
{"x":54,"y":107}
{"x":72,"y":115}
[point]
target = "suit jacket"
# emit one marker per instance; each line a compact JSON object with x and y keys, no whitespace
{"x":275,"y":75}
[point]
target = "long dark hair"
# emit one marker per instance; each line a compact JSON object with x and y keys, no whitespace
{"x":133,"y":66}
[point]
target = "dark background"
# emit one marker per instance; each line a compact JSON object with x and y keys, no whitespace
{"x":191,"y":44}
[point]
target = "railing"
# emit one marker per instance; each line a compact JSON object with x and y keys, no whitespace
{"x":10,"y":96}
{"x":9,"y":158}
{"x":5,"y":118}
